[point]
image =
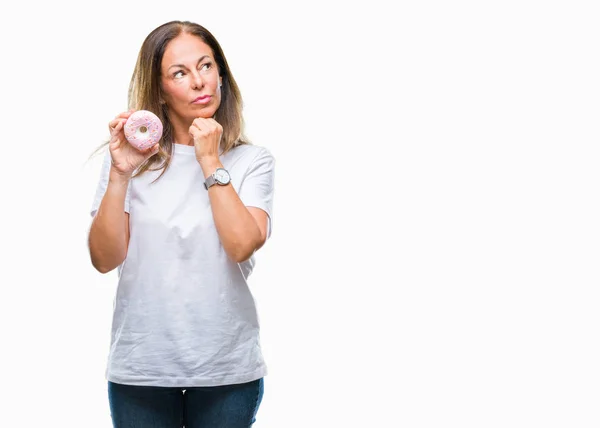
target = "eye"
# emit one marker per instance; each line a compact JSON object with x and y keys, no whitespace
{"x":207,"y":65}
{"x":176,"y":73}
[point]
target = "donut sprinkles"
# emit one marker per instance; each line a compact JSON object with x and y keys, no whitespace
{"x":143,"y":129}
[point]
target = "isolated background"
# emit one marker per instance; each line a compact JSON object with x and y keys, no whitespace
{"x":434,"y":258}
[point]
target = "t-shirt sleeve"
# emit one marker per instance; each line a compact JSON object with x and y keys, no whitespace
{"x":258,"y":185}
{"x":103,"y":184}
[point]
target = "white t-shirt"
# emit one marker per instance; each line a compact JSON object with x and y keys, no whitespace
{"x":183,"y":312}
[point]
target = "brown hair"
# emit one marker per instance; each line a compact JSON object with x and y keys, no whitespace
{"x":145,"y":91}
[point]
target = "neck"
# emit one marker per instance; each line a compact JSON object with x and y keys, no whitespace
{"x":181,"y":131}
{"x":182,"y":136}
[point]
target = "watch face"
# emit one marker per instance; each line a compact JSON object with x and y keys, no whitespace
{"x":222,"y":176}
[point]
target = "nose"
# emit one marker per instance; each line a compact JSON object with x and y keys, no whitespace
{"x":197,"y":82}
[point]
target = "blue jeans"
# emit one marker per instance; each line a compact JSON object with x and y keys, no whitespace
{"x":230,"y":406}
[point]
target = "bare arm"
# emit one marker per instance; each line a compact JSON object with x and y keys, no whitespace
{"x":109,"y":233}
{"x":108,"y":239}
{"x":242,"y":230}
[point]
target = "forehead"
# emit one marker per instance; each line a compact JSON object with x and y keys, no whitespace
{"x":185,"y":48}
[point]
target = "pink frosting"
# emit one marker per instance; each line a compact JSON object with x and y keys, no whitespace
{"x":143,"y":129}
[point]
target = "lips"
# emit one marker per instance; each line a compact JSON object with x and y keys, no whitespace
{"x":202,"y":100}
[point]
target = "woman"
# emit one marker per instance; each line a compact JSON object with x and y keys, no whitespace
{"x":181,"y":221}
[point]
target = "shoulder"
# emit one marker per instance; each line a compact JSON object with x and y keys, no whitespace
{"x":249,"y":154}
{"x":249,"y":150}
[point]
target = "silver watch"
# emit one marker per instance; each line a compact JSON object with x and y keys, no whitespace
{"x":220,"y":176}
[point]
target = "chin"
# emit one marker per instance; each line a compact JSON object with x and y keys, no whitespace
{"x":206,"y":112}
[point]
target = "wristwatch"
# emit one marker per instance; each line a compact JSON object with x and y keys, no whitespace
{"x":220,"y":176}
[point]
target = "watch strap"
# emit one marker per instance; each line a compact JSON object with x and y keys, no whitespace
{"x":210,"y":181}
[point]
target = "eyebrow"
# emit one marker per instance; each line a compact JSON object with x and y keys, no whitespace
{"x":183,"y":66}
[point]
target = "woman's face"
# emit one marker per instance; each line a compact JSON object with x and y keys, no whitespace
{"x":190,"y":79}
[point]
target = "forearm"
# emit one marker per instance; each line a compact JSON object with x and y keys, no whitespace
{"x":108,"y":234}
{"x":237,"y":228}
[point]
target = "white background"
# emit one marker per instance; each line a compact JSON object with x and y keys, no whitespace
{"x":434,"y":258}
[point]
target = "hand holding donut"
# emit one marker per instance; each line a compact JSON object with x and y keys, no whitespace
{"x":206,"y":133}
{"x":125,"y":157}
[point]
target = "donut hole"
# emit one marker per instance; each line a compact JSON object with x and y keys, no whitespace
{"x":142,"y":132}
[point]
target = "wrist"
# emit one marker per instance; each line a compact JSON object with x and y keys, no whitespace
{"x":209,"y":165}
{"x":117,"y":177}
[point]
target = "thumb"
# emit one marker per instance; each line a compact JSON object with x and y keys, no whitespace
{"x":151,"y":151}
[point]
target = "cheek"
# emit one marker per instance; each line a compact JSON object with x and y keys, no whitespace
{"x":174,"y":92}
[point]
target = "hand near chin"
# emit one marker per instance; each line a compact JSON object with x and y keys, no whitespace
{"x":206,"y":134}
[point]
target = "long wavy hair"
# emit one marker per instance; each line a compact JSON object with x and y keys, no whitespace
{"x":145,"y":91}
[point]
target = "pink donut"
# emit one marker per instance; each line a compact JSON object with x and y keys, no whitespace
{"x":143,"y":129}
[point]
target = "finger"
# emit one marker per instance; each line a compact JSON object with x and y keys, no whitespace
{"x":205,"y":126}
{"x":127,"y":113}
{"x":201,"y":123}
{"x":112,"y":124}
{"x":194,"y":132}
{"x":117,"y":125}
{"x":115,"y":143}
{"x":151,"y":149}
{"x":111,"y":127}
{"x":121,"y":116}
{"x":212,"y":124}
